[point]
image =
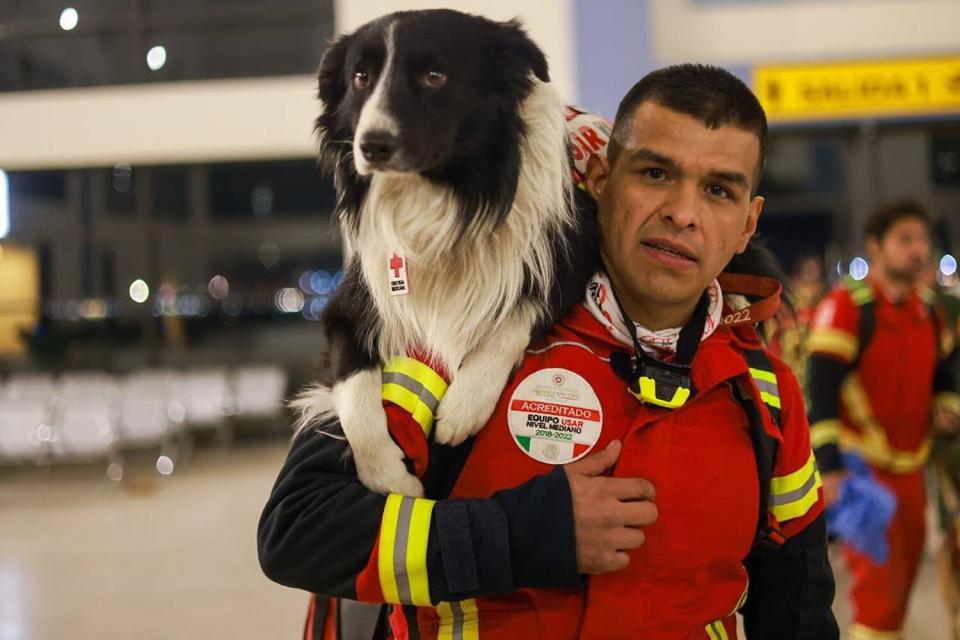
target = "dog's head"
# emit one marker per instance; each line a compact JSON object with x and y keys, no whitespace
{"x":430,"y":92}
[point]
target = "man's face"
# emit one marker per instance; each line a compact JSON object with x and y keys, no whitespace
{"x":676,"y":206}
{"x":904,"y":250}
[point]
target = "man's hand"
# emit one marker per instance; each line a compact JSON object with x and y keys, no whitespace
{"x":831,"y":485}
{"x":607,"y":511}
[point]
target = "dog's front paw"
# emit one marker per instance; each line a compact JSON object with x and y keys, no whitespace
{"x":379,"y":461}
{"x":383,"y":470}
{"x":463,"y":411}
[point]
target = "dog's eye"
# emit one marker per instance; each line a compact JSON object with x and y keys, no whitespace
{"x":361,"y":79}
{"x":434,"y":79}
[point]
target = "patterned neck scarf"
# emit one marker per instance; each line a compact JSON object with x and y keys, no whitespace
{"x":602,"y":305}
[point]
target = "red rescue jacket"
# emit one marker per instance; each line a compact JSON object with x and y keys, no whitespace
{"x":873,"y":395}
{"x":688,"y":579}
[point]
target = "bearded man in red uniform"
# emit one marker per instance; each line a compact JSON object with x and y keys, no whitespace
{"x":647,"y":472}
{"x":879,"y":379}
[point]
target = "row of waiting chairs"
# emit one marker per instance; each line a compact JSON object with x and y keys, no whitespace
{"x":91,"y":415}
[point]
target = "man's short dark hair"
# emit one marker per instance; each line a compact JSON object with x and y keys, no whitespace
{"x":884,"y":218}
{"x":712,"y":95}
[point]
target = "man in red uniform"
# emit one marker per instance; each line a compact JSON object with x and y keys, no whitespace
{"x":877,"y":381}
{"x":647,"y":462}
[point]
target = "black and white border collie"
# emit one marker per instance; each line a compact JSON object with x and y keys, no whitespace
{"x":449,"y":149}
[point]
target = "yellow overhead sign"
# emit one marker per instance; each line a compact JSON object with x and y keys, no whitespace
{"x":859,"y":89}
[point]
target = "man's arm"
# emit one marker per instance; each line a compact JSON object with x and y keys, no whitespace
{"x":792,"y":589}
{"x":825,"y":376}
{"x":833,"y":346}
{"x":323,"y":531}
{"x":792,"y":586}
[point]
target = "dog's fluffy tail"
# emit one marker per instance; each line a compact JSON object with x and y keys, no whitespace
{"x":315,"y":408}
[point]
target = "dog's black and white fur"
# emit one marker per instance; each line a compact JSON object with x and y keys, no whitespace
{"x":448,"y":146}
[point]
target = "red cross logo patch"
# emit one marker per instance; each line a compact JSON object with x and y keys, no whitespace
{"x":397,"y":275}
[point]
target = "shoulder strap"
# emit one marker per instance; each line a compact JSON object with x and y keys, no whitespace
{"x":862,"y":295}
{"x":930,"y":301}
{"x":761,"y":370}
{"x":764,"y":446}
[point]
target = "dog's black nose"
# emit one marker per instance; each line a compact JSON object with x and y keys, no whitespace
{"x":378,"y":146}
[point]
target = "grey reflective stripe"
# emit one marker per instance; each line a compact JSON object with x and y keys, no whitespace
{"x":796,"y":494}
{"x":414,"y":387}
{"x":769,"y":387}
{"x":357,"y":619}
{"x":400,"y":549}
{"x":457,"y":620}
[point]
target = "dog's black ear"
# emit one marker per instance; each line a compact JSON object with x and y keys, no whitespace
{"x":331,"y":89}
{"x":332,"y":84}
{"x":522,"y":48}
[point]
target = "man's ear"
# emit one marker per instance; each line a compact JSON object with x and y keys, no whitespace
{"x":750,"y":227}
{"x":598,"y":171}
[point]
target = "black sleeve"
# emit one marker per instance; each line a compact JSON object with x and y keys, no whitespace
{"x":944,"y":380}
{"x":792,"y":589}
{"x":825,"y":377}
{"x":319,"y":527}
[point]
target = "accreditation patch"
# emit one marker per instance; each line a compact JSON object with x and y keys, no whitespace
{"x":555,"y":416}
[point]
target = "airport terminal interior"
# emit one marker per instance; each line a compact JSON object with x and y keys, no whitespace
{"x":167,"y":245}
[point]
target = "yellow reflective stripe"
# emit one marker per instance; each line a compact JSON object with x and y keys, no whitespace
{"x":471,"y":620}
{"x":833,"y":342}
{"x":458,"y":620}
{"x":860,"y":291}
{"x":385,"y":553}
{"x":825,"y":432}
{"x":417,"y":552}
{"x":793,"y":481}
{"x":855,"y":400}
{"x":861,"y":296}
{"x":445,"y":632}
{"x":799,"y":507}
{"x":770,"y":399}
{"x":767,"y":376}
{"x":883,"y":456}
{"x":947,"y":400}
{"x":402,"y":555}
{"x":411,"y":402}
{"x":872,"y":442}
{"x":420,"y":372}
{"x":791,"y":496}
{"x":767,"y":384}
{"x":717,"y":631}
{"x":863,"y":632}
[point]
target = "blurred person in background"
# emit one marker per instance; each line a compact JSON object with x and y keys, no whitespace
{"x":879,"y":379}
{"x":945,"y":460}
{"x":788,"y":335}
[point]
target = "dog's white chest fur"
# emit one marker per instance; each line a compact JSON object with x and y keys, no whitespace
{"x":462,"y":291}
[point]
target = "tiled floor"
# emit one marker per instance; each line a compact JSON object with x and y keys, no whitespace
{"x":160,"y":559}
{"x":175,"y":558}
